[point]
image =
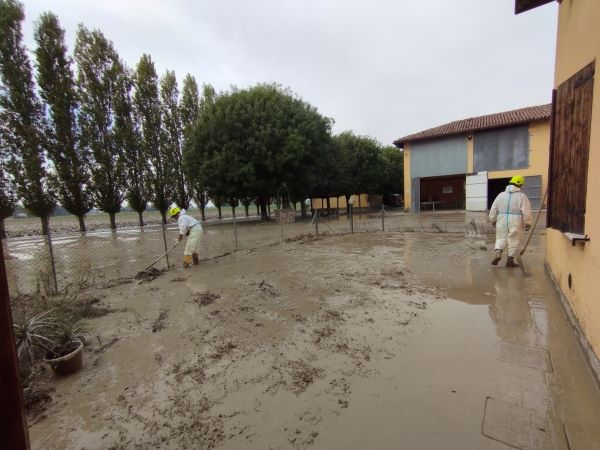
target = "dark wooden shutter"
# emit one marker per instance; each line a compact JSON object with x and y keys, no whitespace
{"x":569,"y":152}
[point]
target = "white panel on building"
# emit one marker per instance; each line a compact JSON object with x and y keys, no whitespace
{"x":476,"y":191}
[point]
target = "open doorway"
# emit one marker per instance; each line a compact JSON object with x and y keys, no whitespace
{"x":495,"y":186}
{"x":445,"y":192}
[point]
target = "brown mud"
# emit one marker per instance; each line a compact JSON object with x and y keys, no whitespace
{"x":383,"y":341}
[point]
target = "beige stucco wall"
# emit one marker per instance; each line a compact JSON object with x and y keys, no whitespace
{"x":407,"y":185}
{"x":361,"y":201}
{"x":578,"y":44}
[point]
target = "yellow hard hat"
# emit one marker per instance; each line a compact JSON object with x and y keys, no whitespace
{"x":517,"y":180}
{"x":175,"y":210}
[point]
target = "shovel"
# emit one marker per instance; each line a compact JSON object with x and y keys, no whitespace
{"x":161,"y":257}
{"x":534,"y":224}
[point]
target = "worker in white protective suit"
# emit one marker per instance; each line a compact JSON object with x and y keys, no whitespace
{"x":190,"y":227}
{"x":510,"y":213}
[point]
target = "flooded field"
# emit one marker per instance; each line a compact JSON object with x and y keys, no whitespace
{"x":374,"y":340}
{"x":104,"y":257}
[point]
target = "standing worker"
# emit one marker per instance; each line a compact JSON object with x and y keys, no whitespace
{"x":190,"y":227}
{"x":510,"y":213}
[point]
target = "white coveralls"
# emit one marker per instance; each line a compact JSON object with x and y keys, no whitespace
{"x":511,"y":211}
{"x":188,"y":223}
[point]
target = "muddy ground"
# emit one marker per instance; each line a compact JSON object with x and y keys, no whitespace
{"x":385,"y":340}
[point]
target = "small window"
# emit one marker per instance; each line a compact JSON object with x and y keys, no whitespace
{"x":447,"y":190}
{"x":569,"y":151}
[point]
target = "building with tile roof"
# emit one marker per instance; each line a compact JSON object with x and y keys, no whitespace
{"x":464,"y":164}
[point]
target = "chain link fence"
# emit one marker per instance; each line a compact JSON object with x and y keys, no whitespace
{"x":56,"y":263}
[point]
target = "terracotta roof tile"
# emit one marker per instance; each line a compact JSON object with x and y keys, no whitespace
{"x":498,"y":120}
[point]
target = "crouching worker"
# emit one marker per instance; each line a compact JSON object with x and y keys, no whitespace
{"x":190,"y":227}
{"x":511,"y":214}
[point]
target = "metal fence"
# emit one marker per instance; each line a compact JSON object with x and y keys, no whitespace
{"x":73,"y":261}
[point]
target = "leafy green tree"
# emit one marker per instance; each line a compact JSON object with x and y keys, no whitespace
{"x":246,"y":201}
{"x":172,"y":138}
{"x":22,"y":116}
{"x":393,"y":164}
{"x":190,"y":108}
{"x":57,"y":89}
{"x":361,"y":165}
{"x":252,"y":142}
{"x":127,"y":138}
{"x":146,"y":101}
{"x":98,"y":75}
{"x":8,"y":197}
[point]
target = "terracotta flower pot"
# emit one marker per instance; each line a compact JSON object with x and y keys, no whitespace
{"x":69,"y":363}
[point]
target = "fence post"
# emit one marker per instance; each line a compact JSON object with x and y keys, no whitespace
{"x":52,"y":263}
{"x":235,"y":229}
{"x":317,"y":221}
{"x":382,"y":218}
{"x":164,"y":228}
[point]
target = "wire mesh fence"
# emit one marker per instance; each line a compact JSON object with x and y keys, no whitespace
{"x":71,"y":261}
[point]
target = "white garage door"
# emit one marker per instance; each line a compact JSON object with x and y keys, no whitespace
{"x":476,"y":191}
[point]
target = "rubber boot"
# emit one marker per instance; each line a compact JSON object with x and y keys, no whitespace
{"x":498,"y":257}
{"x":510,"y":262}
{"x":187,"y":261}
{"x":195,"y":258}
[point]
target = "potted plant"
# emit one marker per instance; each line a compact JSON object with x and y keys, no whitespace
{"x":66,"y":354}
{"x":60,"y":342}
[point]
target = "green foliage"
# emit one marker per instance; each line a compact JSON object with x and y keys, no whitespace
{"x":393,"y":163}
{"x":22,"y":118}
{"x":127,"y":137}
{"x":57,"y":88}
{"x":146,"y":101}
{"x":8,"y":197}
{"x":99,"y":72}
{"x":172,"y":138}
{"x":251,"y":142}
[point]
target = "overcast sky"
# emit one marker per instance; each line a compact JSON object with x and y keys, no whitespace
{"x":384,"y":68}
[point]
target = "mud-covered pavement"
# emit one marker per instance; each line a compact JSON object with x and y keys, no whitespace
{"x":386,"y":341}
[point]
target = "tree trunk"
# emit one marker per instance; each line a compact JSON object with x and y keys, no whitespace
{"x":219,"y":208}
{"x":303,"y":208}
{"x":202,"y":213}
{"x":348,"y":197}
{"x":81,"y":224}
{"x":263,"y":209}
{"x":2,"y":229}
{"x":246,"y":207}
{"x":141,"y":218}
{"x":268,"y":210}
{"x":45,"y":224}
{"x":233,"y":211}
{"x":328,"y":206}
{"x":163,"y":214}
{"x":258,"y":209}
{"x":113,"y":223}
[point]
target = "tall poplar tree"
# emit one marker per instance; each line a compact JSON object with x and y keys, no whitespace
{"x":99,"y":71}
{"x":146,"y":101}
{"x":127,"y":136}
{"x":172,"y":138}
{"x":57,"y":89}
{"x":8,"y":198}
{"x":22,"y":117}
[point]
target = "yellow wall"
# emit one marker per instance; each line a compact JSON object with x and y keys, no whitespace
{"x":340,"y":202}
{"x":407,"y":186}
{"x":578,"y":44}
{"x":470,"y":153}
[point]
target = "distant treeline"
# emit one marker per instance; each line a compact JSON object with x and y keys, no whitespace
{"x":84,"y":131}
